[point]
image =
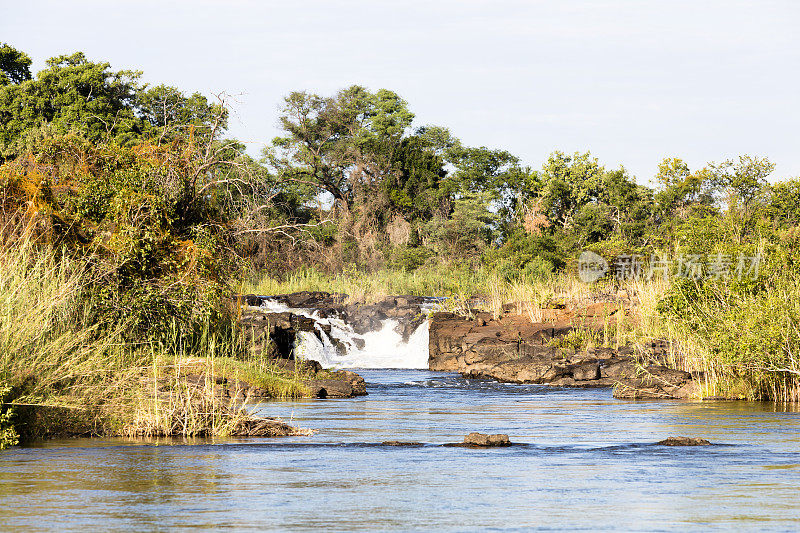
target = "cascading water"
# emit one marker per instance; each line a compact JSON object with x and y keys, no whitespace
{"x":335,"y":343}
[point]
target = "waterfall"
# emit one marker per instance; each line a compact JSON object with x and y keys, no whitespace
{"x":335,"y":344}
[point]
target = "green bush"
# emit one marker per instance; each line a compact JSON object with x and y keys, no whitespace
{"x":526,"y":257}
{"x":154,"y":237}
{"x":408,"y":259}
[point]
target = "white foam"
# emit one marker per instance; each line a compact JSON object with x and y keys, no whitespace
{"x":383,"y":348}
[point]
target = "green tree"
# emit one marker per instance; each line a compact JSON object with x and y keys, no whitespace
{"x":168,"y":114}
{"x":568,"y":183}
{"x":784,"y":202}
{"x":15,"y":66}
{"x":72,"y":95}
{"x":343,"y":144}
{"x":743,"y":183}
{"x":86,"y":98}
{"x":414,"y":188}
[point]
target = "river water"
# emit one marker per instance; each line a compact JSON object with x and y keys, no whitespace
{"x":584,"y":461}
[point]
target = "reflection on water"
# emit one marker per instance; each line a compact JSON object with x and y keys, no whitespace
{"x":585,"y":461}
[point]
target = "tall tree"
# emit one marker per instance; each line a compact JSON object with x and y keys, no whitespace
{"x":344,"y":144}
{"x":72,"y":95}
{"x":88,"y":99}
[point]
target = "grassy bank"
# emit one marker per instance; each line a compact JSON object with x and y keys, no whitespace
{"x":56,"y":358}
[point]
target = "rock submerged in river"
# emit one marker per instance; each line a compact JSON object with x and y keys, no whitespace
{"x":483,"y":440}
{"x":683,"y":441}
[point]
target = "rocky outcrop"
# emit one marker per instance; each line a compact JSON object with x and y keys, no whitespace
{"x":514,"y":349}
{"x":657,"y":382}
{"x":363,"y":317}
{"x":273,"y":334}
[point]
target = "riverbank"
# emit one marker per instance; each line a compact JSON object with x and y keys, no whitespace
{"x":63,"y":372}
{"x":725,"y":331}
{"x":581,"y":346}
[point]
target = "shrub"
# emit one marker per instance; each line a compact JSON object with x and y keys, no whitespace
{"x":408,"y":259}
{"x":146,"y":220}
{"x":526,"y":256}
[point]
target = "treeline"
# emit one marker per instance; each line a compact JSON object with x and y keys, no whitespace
{"x":352,"y":183}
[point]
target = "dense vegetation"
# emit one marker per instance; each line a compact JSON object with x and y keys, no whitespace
{"x":145,"y":218}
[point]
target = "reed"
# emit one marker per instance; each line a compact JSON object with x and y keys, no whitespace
{"x":53,"y":355}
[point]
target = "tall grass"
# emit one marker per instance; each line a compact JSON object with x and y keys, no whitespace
{"x":53,"y":355}
{"x":746,"y":345}
{"x":461,"y":286}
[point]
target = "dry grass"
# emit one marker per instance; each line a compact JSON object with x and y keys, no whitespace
{"x":53,"y":356}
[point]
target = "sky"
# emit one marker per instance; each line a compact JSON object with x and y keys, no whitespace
{"x":631,"y":81}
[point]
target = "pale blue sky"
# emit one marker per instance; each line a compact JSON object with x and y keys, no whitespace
{"x":632,"y":81}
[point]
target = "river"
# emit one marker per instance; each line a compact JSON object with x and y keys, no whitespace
{"x":584,"y":461}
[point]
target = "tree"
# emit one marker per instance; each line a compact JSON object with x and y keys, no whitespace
{"x":15,"y":66}
{"x":744,"y":180}
{"x":72,"y":95}
{"x":744,"y":185}
{"x":784,"y":202}
{"x":168,"y":113}
{"x":681,"y":193}
{"x":414,"y":188}
{"x":569,"y":183}
{"x":88,"y":99}
{"x":344,"y":144}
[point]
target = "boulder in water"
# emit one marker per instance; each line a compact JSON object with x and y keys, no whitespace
{"x":683,"y":441}
{"x":338,"y":384}
{"x":482,"y":440}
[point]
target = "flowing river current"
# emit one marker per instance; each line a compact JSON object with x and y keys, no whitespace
{"x":584,"y":461}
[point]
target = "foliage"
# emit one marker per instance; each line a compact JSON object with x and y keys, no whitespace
{"x":55,"y":361}
{"x":407,"y":258}
{"x":87,"y":98}
{"x":155,"y":240}
{"x":8,"y":434}
{"x":15,"y":66}
{"x":526,"y":256}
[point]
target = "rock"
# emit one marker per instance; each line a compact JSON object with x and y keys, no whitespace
{"x":514,"y":349}
{"x":302,"y":366}
{"x":656,"y":382}
{"x":483,"y":440}
{"x":310,"y":299}
{"x":266,"y":427}
{"x":683,"y":441}
{"x":586,"y":371}
{"x":340,"y":384}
